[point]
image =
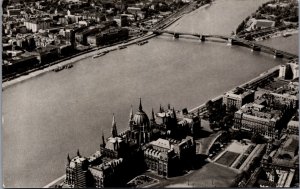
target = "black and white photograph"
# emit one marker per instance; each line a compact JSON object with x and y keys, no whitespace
{"x":150,"y":94}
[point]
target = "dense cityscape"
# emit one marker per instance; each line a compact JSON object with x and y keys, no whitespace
{"x":48,"y":31}
{"x":245,"y":137}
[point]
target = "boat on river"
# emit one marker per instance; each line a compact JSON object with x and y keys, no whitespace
{"x":122,"y":47}
{"x":142,"y":43}
{"x":286,"y":35}
{"x":63,"y":67}
{"x":99,"y":54}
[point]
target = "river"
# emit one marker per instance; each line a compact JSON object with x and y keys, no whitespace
{"x":54,"y":114}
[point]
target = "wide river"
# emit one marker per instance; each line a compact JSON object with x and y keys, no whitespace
{"x":49,"y":116}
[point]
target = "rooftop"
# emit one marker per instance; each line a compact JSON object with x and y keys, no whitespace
{"x":260,"y":111}
{"x":275,"y":85}
{"x":240,"y":92}
{"x":163,"y":143}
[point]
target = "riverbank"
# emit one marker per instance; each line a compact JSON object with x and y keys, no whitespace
{"x":79,"y":102}
{"x":284,"y":33}
{"x":272,"y":19}
{"x":91,"y":52}
{"x":261,"y":77}
{"x":72,"y":61}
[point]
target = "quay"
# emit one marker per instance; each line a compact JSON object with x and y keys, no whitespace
{"x":249,"y":84}
{"x":53,"y":183}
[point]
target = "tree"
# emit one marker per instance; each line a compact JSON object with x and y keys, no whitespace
{"x":227,"y":122}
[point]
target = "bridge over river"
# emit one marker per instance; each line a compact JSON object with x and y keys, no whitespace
{"x":233,"y":40}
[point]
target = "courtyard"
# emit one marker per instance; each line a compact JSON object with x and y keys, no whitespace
{"x":235,"y":154}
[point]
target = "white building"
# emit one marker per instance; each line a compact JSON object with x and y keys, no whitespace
{"x":294,"y":68}
{"x":37,"y":24}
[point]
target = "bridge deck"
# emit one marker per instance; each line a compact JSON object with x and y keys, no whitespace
{"x":266,"y":49}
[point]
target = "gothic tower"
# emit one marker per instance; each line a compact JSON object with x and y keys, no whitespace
{"x":114,"y":131}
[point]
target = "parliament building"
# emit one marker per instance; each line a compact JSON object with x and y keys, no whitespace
{"x":163,"y":144}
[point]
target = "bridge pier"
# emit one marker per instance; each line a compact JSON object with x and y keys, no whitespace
{"x":278,"y":54}
{"x":232,"y":41}
{"x":256,"y":48}
{"x":175,"y":36}
{"x":156,"y":32}
{"x":202,"y":38}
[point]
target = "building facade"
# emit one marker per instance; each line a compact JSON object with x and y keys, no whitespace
{"x":237,"y":98}
{"x":108,"y":36}
{"x":255,"y":118}
{"x":167,"y":157}
{"x":37,"y":24}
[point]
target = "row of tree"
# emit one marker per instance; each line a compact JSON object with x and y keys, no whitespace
{"x":219,"y":116}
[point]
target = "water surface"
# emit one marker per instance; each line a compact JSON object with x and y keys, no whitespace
{"x":54,"y":114}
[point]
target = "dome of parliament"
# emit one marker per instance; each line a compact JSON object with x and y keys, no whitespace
{"x":140,"y":117}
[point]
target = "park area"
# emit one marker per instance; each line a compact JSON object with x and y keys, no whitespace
{"x":142,"y":181}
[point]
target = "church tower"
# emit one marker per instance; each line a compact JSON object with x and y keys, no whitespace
{"x":152,"y":120}
{"x":114,"y":132}
{"x":103,"y":140}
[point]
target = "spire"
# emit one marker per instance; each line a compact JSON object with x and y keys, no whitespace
{"x":114,"y":120}
{"x":141,"y":107}
{"x":153,"y":117}
{"x":131,"y":114}
{"x":174,"y":114}
{"x":103,"y":139}
{"x":161,"y":109}
{"x":78,"y":153}
{"x":114,"y":131}
{"x":69,"y":159}
{"x":117,"y":143}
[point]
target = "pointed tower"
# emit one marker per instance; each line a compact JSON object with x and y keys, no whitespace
{"x":131,"y":114}
{"x":131,"y":121}
{"x":78,"y":153}
{"x":114,"y":131}
{"x":152,"y":120}
{"x":160,"y":109}
{"x":103,"y":140}
{"x":69,"y":159}
{"x":117,"y":145}
{"x":140,"y":106}
{"x":174,"y":114}
{"x":153,"y":116}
